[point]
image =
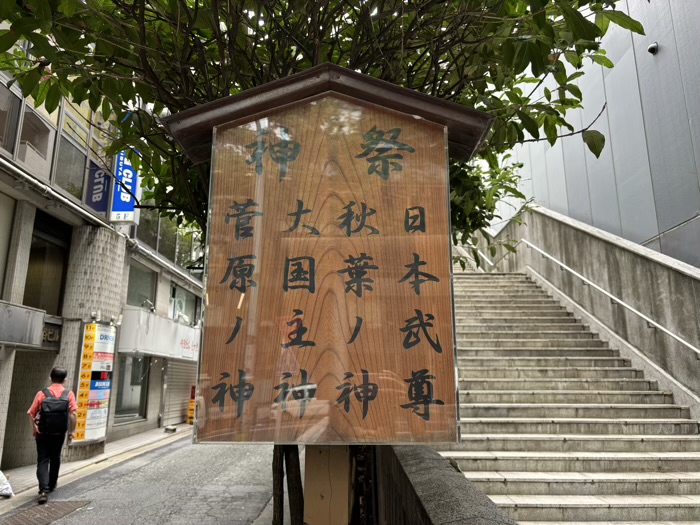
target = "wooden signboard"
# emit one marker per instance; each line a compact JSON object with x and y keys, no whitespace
{"x":329,"y":312}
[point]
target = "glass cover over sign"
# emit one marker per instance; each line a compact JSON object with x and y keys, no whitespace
{"x":329,"y":306}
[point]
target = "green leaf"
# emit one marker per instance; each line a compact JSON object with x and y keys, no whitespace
{"x":595,"y":141}
{"x":53,"y":98}
{"x":580,"y":26}
{"x":623,"y":20}
{"x":44,"y":16}
{"x":29,"y":81}
{"x":529,"y":124}
{"x":69,"y":7}
{"x":602,"y":60}
{"x":7,"y":40}
{"x":602,"y":22}
{"x":550,"y":129}
{"x":573,"y":58}
{"x":575,"y":91}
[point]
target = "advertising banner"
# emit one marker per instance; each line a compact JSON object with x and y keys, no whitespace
{"x":98,"y":188}
{"x":95,"y":386}
{"x":122,"y":202}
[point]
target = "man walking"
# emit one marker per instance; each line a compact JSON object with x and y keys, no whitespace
{"x":53,"y":413}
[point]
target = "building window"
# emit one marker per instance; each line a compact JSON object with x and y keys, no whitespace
{"x":48,"y":261}
{"x":70,"y":170}
{"x":183,"y":305}
{"x":142,"y":286}
{"x":167,"y":238}
{"x":132,"y":392}
{"x":147,"y":229}
{"x":36,"y":144}
{"x":10,"y":106}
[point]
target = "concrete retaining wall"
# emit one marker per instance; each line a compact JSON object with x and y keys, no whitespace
{"x":664,"y":289}
{"x":417,"y":486}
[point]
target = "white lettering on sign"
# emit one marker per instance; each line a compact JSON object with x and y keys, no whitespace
{"x":127,"y":179}
{"x":98,"y":187}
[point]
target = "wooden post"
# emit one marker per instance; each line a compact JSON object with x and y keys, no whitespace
{"x":327,"y":485}
{"x":278,"y":485}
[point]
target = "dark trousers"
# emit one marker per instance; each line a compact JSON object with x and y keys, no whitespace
{"x":48,"y":450}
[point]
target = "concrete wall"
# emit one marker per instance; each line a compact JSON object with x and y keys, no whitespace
{"x":645,"y":187}
{"x":417,"y":486}
{"x":664,"y":289}
{"x":31,"y":373}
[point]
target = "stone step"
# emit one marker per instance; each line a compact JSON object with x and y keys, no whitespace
{"x":556,"y":333}
{"x":585,"y":483}
{"x":549,"y":342}
{"x":537,"y":352}
{"x":546,"y":362}
{"x":645,"y":522}
{"x":471,"y":384}
{"x":558,"y":312}
{"x":578,"y":443}
{"x":463,"y":289}
{"x":492,"y":303}
{"x":575,"y":461}
{"x":600,"y":508}
{"x":496,"y":322}
{"x":552,"y":373}
{"x":504,"y":293}
{"x":577,"y":410}
{"x":566,"y":396}
{"x":625,"y":426}
{"x":501,"y":329}
{"x":491,"y":275}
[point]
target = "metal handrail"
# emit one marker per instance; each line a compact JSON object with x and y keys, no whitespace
{"x":613,"y":298}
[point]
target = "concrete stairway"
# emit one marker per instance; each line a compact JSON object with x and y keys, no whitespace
{"x":556,"y":427}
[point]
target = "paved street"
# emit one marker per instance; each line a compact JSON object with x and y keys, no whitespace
{"x":179,"y":484}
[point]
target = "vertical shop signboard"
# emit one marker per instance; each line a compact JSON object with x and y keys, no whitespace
{"x":95,"y":386}
{"x":329,"y":314}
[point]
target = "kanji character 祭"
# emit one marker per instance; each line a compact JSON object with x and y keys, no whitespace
{"x":420,"y":393}
{"x":382,"y":144}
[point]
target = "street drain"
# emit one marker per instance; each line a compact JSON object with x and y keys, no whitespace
{"x":45,"y":514}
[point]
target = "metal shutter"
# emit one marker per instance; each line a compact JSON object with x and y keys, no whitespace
{"x":181,"y":377}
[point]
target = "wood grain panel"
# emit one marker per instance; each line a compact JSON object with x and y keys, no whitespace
{"x":327,"y":173}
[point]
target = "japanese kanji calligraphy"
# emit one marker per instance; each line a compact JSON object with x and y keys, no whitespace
{"x":329,"y":310}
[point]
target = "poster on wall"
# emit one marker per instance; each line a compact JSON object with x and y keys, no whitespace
{"x":96,"y":366}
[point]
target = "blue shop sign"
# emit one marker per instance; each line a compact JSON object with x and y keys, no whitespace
{"x":100,"y":385}
{"x":122,"y":202}
{"x":98,"y":188}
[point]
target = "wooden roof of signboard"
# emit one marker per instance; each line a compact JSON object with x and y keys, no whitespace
{"x":193,"y":127}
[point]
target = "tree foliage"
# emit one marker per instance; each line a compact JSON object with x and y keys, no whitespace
{"x":137,"y":60}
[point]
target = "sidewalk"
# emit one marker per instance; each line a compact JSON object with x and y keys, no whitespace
{"x":24,"y":478}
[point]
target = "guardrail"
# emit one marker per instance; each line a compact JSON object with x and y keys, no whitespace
{"x":648,"y":300}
